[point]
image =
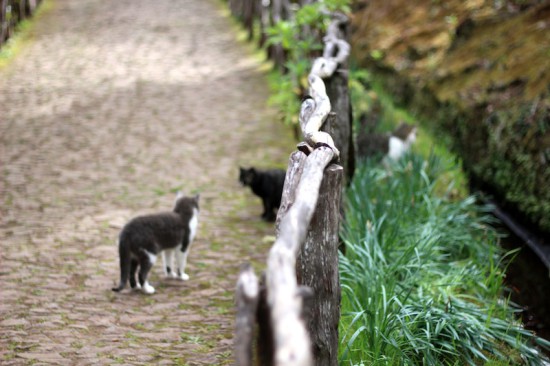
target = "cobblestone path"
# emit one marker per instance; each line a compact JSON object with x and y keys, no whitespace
{"x":106,"y":111}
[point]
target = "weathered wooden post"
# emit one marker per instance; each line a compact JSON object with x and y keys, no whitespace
{"x":249,"y":12}
{"x":3,"y":21}
{"x":333,"y":68}
{"x":317,"y":265}
{"x":276,"y":51}
{"x":264,"y":15}
{"x":317,"y":268}
{"x":265,"y":344}
{"x":302,"y":266}
{"x":234,"y":8}
{"x":285,"y":296}
{"x":340,"y":128}
{"x":247,"y":298}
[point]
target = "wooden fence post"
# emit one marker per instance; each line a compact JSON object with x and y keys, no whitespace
{"x":264,"y":17}
{"x":299,"y":302}
{"x":265,"y":349}
{"x":317,"y":268}
{"x":249,"y":12}
{"x":247,"y":303}
{"x":338,"y":93}
{"x":292,"y":342}
{"x":292,"y":178}
{"x":276,"y":51}
{"x":3,"y":22}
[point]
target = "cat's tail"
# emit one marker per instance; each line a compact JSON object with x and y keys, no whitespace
{"x":124,"y":254}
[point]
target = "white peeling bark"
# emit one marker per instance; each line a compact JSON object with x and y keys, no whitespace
{"x":325,"y":66}
{"x":317,"y":269}
{"x":313,"y":114}
{"x":292,"y":342}
{"x":247,"y":297}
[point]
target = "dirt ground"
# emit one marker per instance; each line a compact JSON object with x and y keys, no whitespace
{"x":107,"y":110}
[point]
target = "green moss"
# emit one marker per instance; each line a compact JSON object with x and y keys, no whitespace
{"x":485,"y":87}
{"x":430,"y":139}
{"x":514,"y":160}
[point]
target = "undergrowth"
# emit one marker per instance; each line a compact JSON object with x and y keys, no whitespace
{"x":300,"y":36}
{"x":422,"y":277}
{"x":368,"y":97}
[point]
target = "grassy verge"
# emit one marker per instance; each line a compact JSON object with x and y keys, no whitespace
{"x":422,"y":277}
{"x":369,"y":97}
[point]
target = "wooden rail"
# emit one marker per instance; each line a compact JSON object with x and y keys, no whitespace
{"x":258,"y":15}
{"x":296,"y":306}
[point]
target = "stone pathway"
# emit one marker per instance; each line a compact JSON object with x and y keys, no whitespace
{"x":109,"y":109}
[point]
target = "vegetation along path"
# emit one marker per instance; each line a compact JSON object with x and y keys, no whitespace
{"x":106,"y":111}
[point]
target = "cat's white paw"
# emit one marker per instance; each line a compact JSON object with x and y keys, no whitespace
{"x":148,"y":289}
{"x":184,"y":277}
{"x":138,"y":287}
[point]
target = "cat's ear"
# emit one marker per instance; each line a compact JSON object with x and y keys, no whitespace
{"x":179,"y":194}
{"x":197,"y":197}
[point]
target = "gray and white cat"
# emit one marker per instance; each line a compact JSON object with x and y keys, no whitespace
{"x":392,"y":146}
{"x":144,"y":237}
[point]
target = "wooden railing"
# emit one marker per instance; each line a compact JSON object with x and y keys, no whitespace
{"x":291,"y":314}
{"x":12,"y":12}
{"x":258,"y":15}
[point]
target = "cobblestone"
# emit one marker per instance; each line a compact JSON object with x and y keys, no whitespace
{"x":104,"y":113}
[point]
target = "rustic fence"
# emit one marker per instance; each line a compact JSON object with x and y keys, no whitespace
{"x":290,"y":316}
{"x":12,"y":12}
{"x":258,"y":15}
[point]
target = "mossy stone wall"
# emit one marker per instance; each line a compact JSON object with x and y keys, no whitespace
{"x":479,"y":71}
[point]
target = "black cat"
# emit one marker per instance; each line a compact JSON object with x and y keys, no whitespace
{"x":144,"y":237}
{"x":266,"y":184}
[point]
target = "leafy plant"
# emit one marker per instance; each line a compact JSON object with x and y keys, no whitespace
{"x":422,"y":277}
{"x":300,"y":37}
{"x":369,"y":98}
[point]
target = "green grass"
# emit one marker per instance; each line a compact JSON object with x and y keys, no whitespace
{"x":367,"y":94}
{"x":422,"y":278}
